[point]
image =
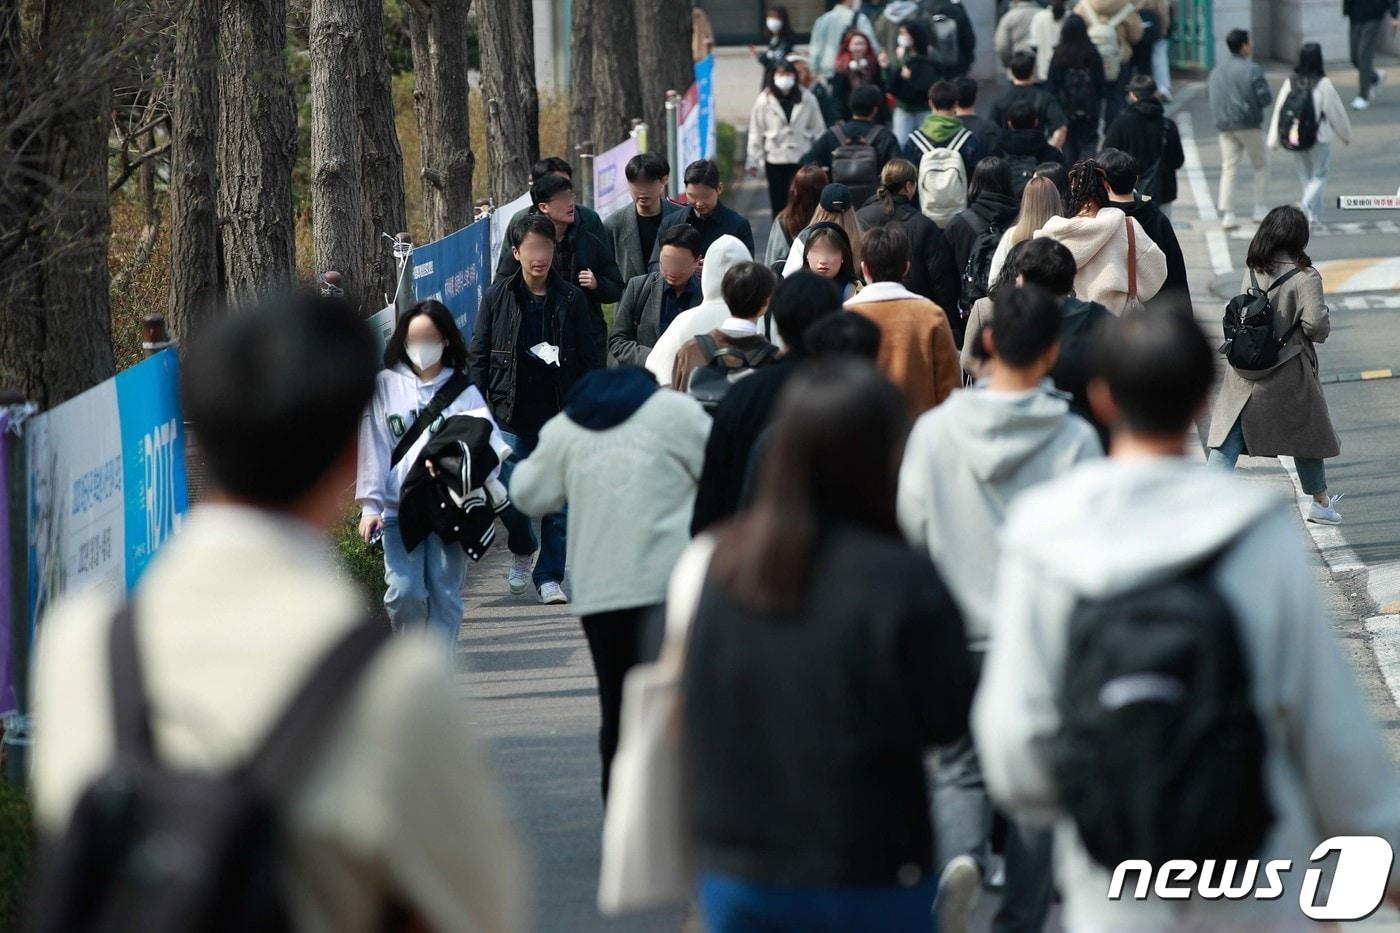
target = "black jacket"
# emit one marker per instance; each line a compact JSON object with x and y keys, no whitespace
{"x":581,"y":249}
{"x":1362,"y":11}
{"x":1020,"y":144}
{"x":495,"y":350}
{"x":1158,"y":226}
{"x":722,"y":220}
{"x":1087,"y":58}
{"x":1052,"y":117}
{"x":848,"y":693}
{"x":988,"y":133}
{"x":1143,"y":131}
{"x":842,"y":86}
{"x":884,"y":143}
{"x":931,"y":269}
{"x":454,"y":504}
{"x":1079,"y":324}
{"x":967,"y":225}
{"x":912,"y":91}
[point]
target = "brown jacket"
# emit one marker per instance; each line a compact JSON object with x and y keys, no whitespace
{"x":917,"y":352}
{"x":1282,"y":409}
{"x":690,"y":357}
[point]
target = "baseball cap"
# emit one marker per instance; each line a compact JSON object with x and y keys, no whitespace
{"x":836,"y":198}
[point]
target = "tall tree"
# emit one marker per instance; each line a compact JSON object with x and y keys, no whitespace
{"x":507,"y":31}
{"x":337,"y":216}
{"x":581,"y":73}
{"x":194,"y":221}
{"x":257,"y":143}
{"x":663,"y":56}
{"x":440,"y":93}
{"x":381,"y":159}
{"x":617,"y":85}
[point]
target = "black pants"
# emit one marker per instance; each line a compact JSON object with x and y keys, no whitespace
{"x":779,"y":181}
{"x":615,"y":642}
{"x":1082,"y":141}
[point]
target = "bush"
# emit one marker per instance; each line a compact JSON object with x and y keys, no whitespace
{"x":726,"y":151}
{"x":363,"y":566}
{"x":16,"y":852}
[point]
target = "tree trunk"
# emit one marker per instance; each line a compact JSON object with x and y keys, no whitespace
{"x":257,"y":144}
{"x":507,"y":32}
{"x":337,"y":217}
{"x":617,"y":84}
{"x":381,"y":159}
{"x":194,"y":221}
{"x":663,"y":47}
{"x":580,"y":75}
{"x":440,"y":94}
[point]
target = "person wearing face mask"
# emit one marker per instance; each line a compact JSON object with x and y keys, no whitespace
{"x":777,"y":30}
{"x":425,"y":379}
{"x":785,"y":121}
{"x":831,"y":29}
{"x":909,"y":74}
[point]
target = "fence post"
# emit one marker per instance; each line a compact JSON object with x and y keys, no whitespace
{"x":639,"y":133}
{"x":17,"y":511}
{"x":673,"y":143}
{"x":585,"y":172}
{"x":154,"y":336}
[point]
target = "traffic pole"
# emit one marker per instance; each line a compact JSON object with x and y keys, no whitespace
{"x":585,"y":172}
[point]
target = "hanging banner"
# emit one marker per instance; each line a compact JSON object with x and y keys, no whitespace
{"x":610,"y":192}
{"x":381,"y":324}
{"x":695,"y":116}
{"x":455,"y":270}
{"x":500,"y":222}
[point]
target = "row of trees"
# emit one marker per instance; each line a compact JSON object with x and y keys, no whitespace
{"x":194,"y":102}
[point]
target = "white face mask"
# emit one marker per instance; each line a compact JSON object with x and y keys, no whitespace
{"x":784,"y":83}
{"x":423,"y":355}
{"x":773,"y":24}
{"x":904,"y":42}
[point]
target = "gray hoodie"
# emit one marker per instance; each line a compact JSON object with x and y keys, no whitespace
{"x":1239,"y":93}
{"x":965,"y":462}
{"x":1114,"y":525}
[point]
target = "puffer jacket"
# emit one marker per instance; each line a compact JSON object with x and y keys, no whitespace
{"x":778,"y":138}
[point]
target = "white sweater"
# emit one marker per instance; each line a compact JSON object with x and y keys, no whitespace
{"x":1332,"y":118}
{"x":780,"y":139}
{"x":1045,"y":36}
{"x":1100,"y":248}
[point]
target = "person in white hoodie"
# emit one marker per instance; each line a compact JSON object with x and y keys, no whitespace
{"x":1332,"y":123}
{"x":711,"y":312}
{"x":1151,"y":517}
{"x":1103,"y":239}
{"x":966,"y":462}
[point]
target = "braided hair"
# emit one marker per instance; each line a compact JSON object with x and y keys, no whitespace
{"x":1088,"y":187}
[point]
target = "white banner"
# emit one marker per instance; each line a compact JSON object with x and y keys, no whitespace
{"x":500,"y":223}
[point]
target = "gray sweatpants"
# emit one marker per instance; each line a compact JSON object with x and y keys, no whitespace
{"x":1364,"y":36}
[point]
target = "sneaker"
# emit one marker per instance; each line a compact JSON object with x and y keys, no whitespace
{"x":1229,"y":221}
{"x":1376,"y":85}
{"x":958,"y":888}
{"x":1320,"y":514}
{"x":1360,"y":103}
{"x":519,"y":577}
{"x":552,"y":594}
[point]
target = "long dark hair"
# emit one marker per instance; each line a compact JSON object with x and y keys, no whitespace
{"x":1088,"y":184}
{"x":454,"y":355}
{"x":838,"y":439}
{"x":781,"y":12}
{"x":1057,"y":9}
{"x":788,"y":68}
{"x":833,"y":232}
{"x":804,"y":194}
{"x":1283,"y":232}
{"x":1075,"y":50}
{"x":1310,"y":62}
{"x":918,"y":33}
{"x":991,"y":176}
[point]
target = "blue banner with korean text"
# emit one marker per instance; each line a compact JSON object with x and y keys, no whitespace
{"x":456,"y":271}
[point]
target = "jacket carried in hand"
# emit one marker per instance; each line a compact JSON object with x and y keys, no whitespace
{"x":626,"y":240}
{"x":459,"y":499}
{"x":1239,"y":92}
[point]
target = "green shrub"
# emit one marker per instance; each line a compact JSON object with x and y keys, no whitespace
{"x":726,"y":151}
{"x":364,"y":566}
{"x":16,"y":852}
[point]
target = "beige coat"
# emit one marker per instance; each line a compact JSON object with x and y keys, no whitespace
{"x":781,"y":139}
{"x":1282,"y":409}
{"x":1129,"y":31}
{"x":1100,"y":248}
{"x":917,"y":352}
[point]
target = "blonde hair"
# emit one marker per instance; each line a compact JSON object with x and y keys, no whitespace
{"x":846,"y":220}
{"x":1040,"y":202}
{"x":896,"y":174}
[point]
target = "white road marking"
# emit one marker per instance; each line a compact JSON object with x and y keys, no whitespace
{"x":1384,"y":632}
{"x":1216,"y":244}
{"x":1383,"y":275}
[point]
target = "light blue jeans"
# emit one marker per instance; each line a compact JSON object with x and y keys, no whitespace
{"x":906,"y":122}
{"x":425,"y":584}
{"x":1312,"y":167}
{"x":1312,"y":473}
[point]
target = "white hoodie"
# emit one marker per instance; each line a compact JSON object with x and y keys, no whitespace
{"x":965,"y":462}
{"x":724,"y":253}
{"x":1114,"y":525}
{"x":1100,"y":248}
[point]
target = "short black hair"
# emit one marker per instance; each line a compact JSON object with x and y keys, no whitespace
{"x":967,"y":92}
{"x":865,"y":100}
{"x":1142,"y":87}
{"x":647,"y":166}
{"x":548,"y":166}
{"x":845,"y":333}
{"x":1022,"y":115}
{"x":1025,"y":323}
{"x":548,"y":187}
{"x":531,"y":223}
{"x":1047,"y":264}
{"x":943,"y":95}
{"x":1121,"y":169}
{"x":1158,"y":367}
{"x":685,"y":236}
{"x":799,"y":301}
{"x":885,"y":252}
{"x":453,"y":355}
{"x":702,"y":172}
{"x":1022,"y":65}
{"x":276,"y":394}
{"x":1236,"y":39}
{"x":1057,"y":173}
{"x":746,"y":288}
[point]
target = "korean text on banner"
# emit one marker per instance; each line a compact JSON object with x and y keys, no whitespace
{"x":610,"y":192}
{"x":106,"y":482}
{"x":381,"y":324}
{"x":695,"y":118}
{"x":500,"y":224}
{"x":455,"y":270}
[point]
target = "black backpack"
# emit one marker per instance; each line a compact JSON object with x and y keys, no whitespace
{"x":1160,"y":753}
{"x":978,"y":271}
{"x":1297,"y":118}
{"x":723,"y":367}
{"x":1022,"y":171}
{"x":856,"y":164}
{"x":1078,"y":96}
{"x":1250,"y":343}
{"x":156,"y":850}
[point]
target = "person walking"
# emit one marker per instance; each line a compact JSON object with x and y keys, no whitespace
{"x":953,"y":36}
{"x":1151,"y":56}
{"x":747,"y":287}
{"x":1039,"y":203}
{"x":1052,"y":120}
{"x":651,"y":302}
{"x":1108,"y":20}
{"x":1239,"y":92}
{"x":711,"y":218}
{"x":803,"y":198}
{"x":820,"y":644}
{"x":531,"y":343}
{"x":1045,"y":36}
{"x":1281,"y":411}
{"x":835,"y":207}
{"x":857,"y":66}
{"x":1329,"y":118}
{"x":1121,"y":172}
{"x":985,"y":130}
{"x":895,"y":14}
{"x":725,"y":253}
{"x":779,"y":41}
{"x":1013,"y":32}
{"x":909,"y":74}
{"x":1077,"y":82}
{"x":626,"y":457}
{"x":992,"y":205}
{"x":633,"y":233}
{"x":931,"y":274}
{"x":944,"y":129}
{"x":828,"y":253}
{"x":1023,"y":146}
{"x":863,"y":124}
{"x":832,"y":31}
{"x":1366,"y":21}
{"x":784,"y":123}
{"x":1145,"y":132}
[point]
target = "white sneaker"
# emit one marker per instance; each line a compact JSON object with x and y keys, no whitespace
{"x":552,"y":594}
{"x":1360,"y":103}
{"x":1320,"y":514}
{"x":1376,"y":85}
{"x":958,"y":888}
{"x":1229,"y":221}
{"x":519,"y":577}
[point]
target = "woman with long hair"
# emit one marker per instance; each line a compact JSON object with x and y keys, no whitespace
{"x":1039,"y":202}
{"x":856,"y":65}
{"x":829,"y":255}
{"x":1311,"y":161}
{"x":909,"y":73}
{"x":1281,"y":411}
{"x":804,"y":196}
{"x":786,"y":119}
{"x":1045,"y":35}
{"x":780,"y":39}
{"x":821,"y":644}
{"x":1077,"y":81}
{"x":991,"y":202}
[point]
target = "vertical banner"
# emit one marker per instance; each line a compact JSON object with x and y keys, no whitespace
{"x":695,"y":117}
{"x":610,"y":192}
{"x":381,"y":324}
{"x":8,"y":702}
{"x":455,"y":270}
{"x":500,"y":223}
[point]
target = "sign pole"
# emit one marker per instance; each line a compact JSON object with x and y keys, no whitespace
{"x":673,"y":143}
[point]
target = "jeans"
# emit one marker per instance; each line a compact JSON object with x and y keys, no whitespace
{"x":425,"y":584}
{"x":1162,"y":66}
{"x":731,"y":904}
{"x":1312,"y":176}
{"x":1234,"y":146}
{"x":615,"y":644}
{"x":549,"y":567}
{"x":906,"y":122}
{"x":1312,"y":473}
{"x":1364,"y":36}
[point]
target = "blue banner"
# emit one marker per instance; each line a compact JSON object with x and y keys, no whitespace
{"x":704,"y":83}
{"x":153,"y":457}
{"x":456,"y":271}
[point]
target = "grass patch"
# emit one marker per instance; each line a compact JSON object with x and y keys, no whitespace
{"x":361,"y":564}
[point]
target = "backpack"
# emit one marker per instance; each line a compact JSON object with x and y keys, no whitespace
{"x":942,"y":176}
{"x":1297,"y":118}
{"x":944,"y":32}
{"x":1022,"y":171}
{"x":1160,"y":753}
{"x":977,"y":273}
{"x":1250,"y":343}
{"x":154,"y":849}
{"x":856,"y":164}
{"x":1079,"y":98}
{"x":711,"y":380}
{"x":1104,"y":34}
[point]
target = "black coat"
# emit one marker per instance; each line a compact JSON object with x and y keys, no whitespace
{"x":968,"y":224}
{"x":967,"y":36}
{"x":932,"y":272}
{"x":454,"y":504}
{"x":884,"y":143}
{"x":1159,"y":227}
{"x":1047,"y":108}
{"x":581,"y":249}
{"x":722,"y":221}
{"x":1021,"y":144}
{"x":1144,"y":132}
{"x":912,"y":91}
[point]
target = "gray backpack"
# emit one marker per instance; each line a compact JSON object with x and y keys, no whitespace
{"x":723,"y":366}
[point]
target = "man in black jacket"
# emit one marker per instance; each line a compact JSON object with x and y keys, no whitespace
{"x":534,"y":338}
{"x":931,"y":271}
{"x":1053,"y":122}
{"x":866,"y":101}
{"x":1023,"y":145}
{"x":587,"y":217}
{"x":987,"y":132}
{"x":1122,"y":172}
{"x":1143,"y":131}
{"x":709,"y":217}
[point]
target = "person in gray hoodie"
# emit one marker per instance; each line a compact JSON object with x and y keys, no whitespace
{"x":1239,"y":94}
{"x":965,"y":462}
{"x":1144,"y":516}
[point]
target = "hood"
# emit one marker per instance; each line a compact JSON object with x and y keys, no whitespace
{"x":1022,"y":142}
{"x":724,"y":253}
{"x":1150,"y":109}
{"x":1112,"y":525}
{"x":1085,"y":236}
{"x":605,"y":398}
{"x":1108,"y":8}
{"x":998,"y":432}
{"x":1001,"y":209}
{"x":941,"y":128}
{"x":900,"y":10}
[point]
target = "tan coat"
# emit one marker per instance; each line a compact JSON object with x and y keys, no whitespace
{"x":917,"y":352}
{"x":1129,"y":31}
{"x":1282,"y":409}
